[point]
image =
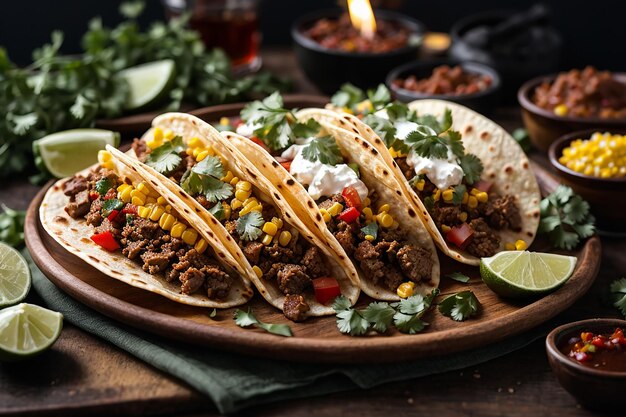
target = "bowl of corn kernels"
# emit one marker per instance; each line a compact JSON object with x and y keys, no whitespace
{"x":593,"y":163}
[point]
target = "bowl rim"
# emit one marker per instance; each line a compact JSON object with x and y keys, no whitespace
{"x":580,"y":134}
{"x":297,"y":36}
{"x":523,"y":97}
{"x":477,"y":68}
{"x":554,"y":352}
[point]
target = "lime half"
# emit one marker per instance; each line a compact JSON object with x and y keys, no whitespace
{"x":522,"y":273}
{"x":27,"y":329}
{"x":65,"y":153}
{"x":148,"y":82}
{"x":14,"y":276}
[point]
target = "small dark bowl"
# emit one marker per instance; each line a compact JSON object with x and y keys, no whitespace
{"x":482,"y":101}
{"x":328,"y":68}
{"x":593,"y":388}
{"x":544,"y":126}
{"x":513,"y":70}
{"x":607,"y":196}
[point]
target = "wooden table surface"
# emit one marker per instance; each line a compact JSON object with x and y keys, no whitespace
{"x":82,"y":374}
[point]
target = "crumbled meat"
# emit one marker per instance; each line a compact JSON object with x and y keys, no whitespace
{"x":191,"y":280}
{"x":204,"y":202}
{"x":372,"y":267}
{"x":282,"y":254}
{"x":504,"y":213}
{"x":218,"y":282}
{"x":155,"y":262}
{"x":252,"y":251}
{"x":108,"y":226}
{"x":314,"y":262}
{"x":94,"y":217}
{"x":392,"y":277}
{"x":404,"y":166}
{"x":484,"y":241}
{"x":270,"y":269}
{"x":133,"y":249}
{"x":390,"y":248}
{"x":79,"y":204}
{"x":295,"y":307}
{"x":391,"y":235}
{"x":75,"y":185}
{"x":140,"y":229}
{"x":328,"y":203}
{"x":231,"y":228}
{"x":139,"y":146}
{"x":292,"y":279}
{"x":446,"y":215}
{"x":347,"y":241}
{"x":416,"y":263}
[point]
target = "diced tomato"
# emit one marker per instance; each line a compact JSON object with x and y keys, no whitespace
{"x":259,"y":142}
{"x":598,"y":341}
{"x":586,"y":336}
{"x":351,"y":196}
{"x":460,"y":235}
{"x":113,"y":215}
{"x":106,"y":240}
{"x":349,"y":215}
{"x":236,"y":121}
{"x":286,"y":165}
{"x":483,"y":185}
{"x":129,"y":209}
{"x":326,"y":289}
{"x":93,"y":195}
{"x":111,"y":194}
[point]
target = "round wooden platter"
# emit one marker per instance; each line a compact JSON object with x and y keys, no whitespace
{"x":317,"y":339}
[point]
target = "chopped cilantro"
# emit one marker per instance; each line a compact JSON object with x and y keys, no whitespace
{"x":217,"y":211}
{"x":245,"y":319}
{"x":272,"y":121}
{"x":306,"y":130}
{"x":371,"y":229}
{"x":355,"y":167}
{"x":323,"y":149}
{"x":103,"y":185}
{"x":425,"y":142}
{"x":249,"y":225}
{"x":565,"y":218}
{"x":166,"y":157}
{"x":109,"y":205}
{"x":204,"y":178}
{"x":458,"y":193}
{"x":347,"y":96}
{"x":459,"y":276}
{"x":431,"y":121}
{"x":472,"y":167}
{"x":379,"y":97}
{"x":618,"y":291}
{"x":460,"y":306}
{"x":213,"y":313}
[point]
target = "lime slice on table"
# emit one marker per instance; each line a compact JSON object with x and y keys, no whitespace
{"x":148,"y":82}
{"x":65,"y":153}
{"x":523,"y":273}
{"x":27,"y":329}
{"x":14,"y":276}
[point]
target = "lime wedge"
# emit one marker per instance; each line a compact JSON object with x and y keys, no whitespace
{"x":523,"y":274}
{"x":65,"y":153}
{"x":14,"y":276}
{"x":26,"y":330}
{"x":148,"y":82}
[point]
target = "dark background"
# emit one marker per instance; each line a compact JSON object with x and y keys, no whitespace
{"x":594,"y":32}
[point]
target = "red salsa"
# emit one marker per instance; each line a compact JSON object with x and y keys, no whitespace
{"x":604,"y":351}
{"x":446,"y":80}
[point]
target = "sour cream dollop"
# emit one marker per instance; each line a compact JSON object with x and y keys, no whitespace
{"x":322,"y":179}
{"x":247,"y":129}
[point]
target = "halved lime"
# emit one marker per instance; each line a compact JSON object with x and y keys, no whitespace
{"x":148,"y":82}
{"x":65,"y":153}
{"x":14,"y":276}
{"x":27,"y":329}
{"x":523,"y":273}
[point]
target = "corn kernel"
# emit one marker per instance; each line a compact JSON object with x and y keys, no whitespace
{"x":124,"y":194}
{"x":124,"y":186}
{"x":156,"y":213}
{"x":234,"y":181}
{"x":472,"y":202}
{"x":521,"y":245}
{"x":384,"y":208}
{"x":258,"y":207}
{"x":157,"y":134}
{"x":465,"y":198}
{"x":109,"y":165}
{"x":201,"y":245}
{"x":445,"y":228}
{"x":270,"y":228}
{"x":228,"y":177}
{"x":189,"y":151}
{"x":143,"y":212}
{"x":437,"y":195}
{"x":161,"y":201}
{"x":104,"y":156}
{"x":195,"y":142}
{"x":257,"y":271}
{"x":202,"y":155}
{"x":509,"y":246}
{"x":405,"y":289}
{"x":393,"y":153}
{"x":167,"y":221}
{"x":420,"y":185}
{"x":463,"y":216}
{"x":189,"y":236}
{"x":143,"y":188}
{"x":325,"y":215}
{"x":235,"y":204}
{"x":482,"y":197}
{"x":267,"y":240}
{"x":196,"y":152}
{"x":278,"y":222}
{"x":138,"y":201}
{"x":284,"y":238}
{"x":448,"y":195}
{"x":385,"y":220}
{"x":169,"y":135}
{"x":242,"y":195}
{"x":561,"y":110}
{"x":244,"y":185}
{"x":247,"y":209}
{"x":367,"y":211}
{"x":366,"y":202}
{"x":369,"y":238}
{"x":178,"y":229}
{"x":474,"y":191}
{"x":250,"y":200}
{"x":335,"y":209}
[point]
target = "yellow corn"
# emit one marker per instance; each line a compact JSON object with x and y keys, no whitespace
{"x":445,"y":228}
{"x":393,"y":153}
{"x":384,"y":208}
{"x":369,"y":238}
{"x":482,"y":197}
{"x":472,"y":202}
{"x":520,"y":245}
{"x":244,"y":186}
{"x":250,"y":200}
{"x":161,"y":200}
{"x":167,"y":221}
{"x":124,"y":194}
{"x":335,"y":209}
{"x":138,"y":200}
{"x":325,"y":215}
{"x":366,"y":202}
{"x":150,"y":200}
{"x":257,"y":271}
{"x":124,"y":186}
{"x":227,"y":177}
{"x":189,"y":151}
{"x":143,"y":212}
{"x":465,"y":198}
{"x":270,"y":228}
{"x":284,"y":238}
{"x":405,"y":289}
{"x":437,"y":195}
{"x":420,"y":185}
{"x":189,"y":236}
{"x":143,"y":188}
{"x":509,"y":246}
{"x":235,"y":204}
{"x":168,"y":208}
{"x":278,"y":222}
{"x":385,"y":220}
{"x":201,"y":155}
{"x":602,"y":155}
{"x":153,"y":144}
{"x":463,"y":216}
{"x":157,"y":134}
{"x":448,"y":195}
{"x":242,"y":195}
{"x":156,"y":213}
{"x":367,"y":211}
{"x":267,"y":239}
{"x":196,"y":152}
{"x":169,"y":135}
{"x":258,"y":207}
{"x":108,"y":165}
{"x":224,"y":121}
{"x":195,"y":142}
{"x":234,"y":181}
{"x":104,"y":156}
{"x":247,"y":209}
{"x":561,"y":110}
{"x":474,"y":191}
{"x":201,"y":245}
{"x":178,"y":229}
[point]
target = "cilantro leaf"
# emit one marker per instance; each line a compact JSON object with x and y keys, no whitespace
{"x":249,"y":225}
{"x":458,"y":193}
{"x":472,"y":167}
{"x":12,"y":226}
{"x":211,"y":166}
{"x":565,"y":218}
{"x":379,"y":97}
{"x":397,"y":111}
{"x":385,"y":129}
{"x":272,"y":121}
{"x":425,"y":142}
{"x":341,"y":303}
{"x":203,"y":178}
{"x":371,"y":229}
{"x":459,"y":276}
{"x":453,"y":140}
{"x":348,"y":96}
{"x":407,"y":323}
{"x":618,"y":291}
{"x":522,"y":137}
{"x":245,"y":319}
{"x":217,"y":211}
{"x":460,"y":306}
{"x":166,"y":157}
{"x":351,"y":322}
{"x":109,"y":205}
{"x":380,"y":315}
{"x":575,"y":210}
{"x":323,"y":149}
{"x":306,"y":130}
{"x":103,"y":185}
{"x":439,"y":126}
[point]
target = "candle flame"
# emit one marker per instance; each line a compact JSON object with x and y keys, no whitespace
{"x":362,"y":17}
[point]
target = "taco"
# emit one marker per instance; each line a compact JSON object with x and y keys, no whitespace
{"x":346,"y":194}
{"x":467,"y":177}
{"x":135,"y":230}
{"x":291,"y":267}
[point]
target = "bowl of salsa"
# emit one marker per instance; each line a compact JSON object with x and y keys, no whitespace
{"x":588,"y":358}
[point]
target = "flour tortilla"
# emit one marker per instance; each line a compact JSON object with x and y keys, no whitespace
{"x":188,"y":126}
{"x":506,"y":165}
{"x":74,"y":236}
{"x":374,"y":173}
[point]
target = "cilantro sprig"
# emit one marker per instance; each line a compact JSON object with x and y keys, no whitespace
{"x":460,"y":306}
{"x":12,"y":226}
{"x":247,"y":318}
{"x":249,"y":225}
{"x":166,"y":157}
{"x":204,"y":178}
{"x":323,"y":149}
{"x":459,"y":276}
{"x":565,"y":218}
{"x":618,"y":292}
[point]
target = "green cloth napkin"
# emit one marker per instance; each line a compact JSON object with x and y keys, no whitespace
{"x":234,"y":382}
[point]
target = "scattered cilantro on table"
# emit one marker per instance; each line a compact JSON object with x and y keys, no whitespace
{"x":245,"y":319}
{"x":460,"y":306}
{"x":565,"y":218}
{"x":618,"y":291}
{"x":12,"y":226}
{"x":459,"y":276}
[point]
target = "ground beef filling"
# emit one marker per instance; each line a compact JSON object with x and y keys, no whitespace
{"x":145,"y":242}
{"x":387,"y":261}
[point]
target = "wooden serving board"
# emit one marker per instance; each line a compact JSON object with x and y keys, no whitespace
{"x":317,"y":339}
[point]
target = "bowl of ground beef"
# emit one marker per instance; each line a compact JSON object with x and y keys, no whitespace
{"x":555,"y":105}
{"x":468,"y":83}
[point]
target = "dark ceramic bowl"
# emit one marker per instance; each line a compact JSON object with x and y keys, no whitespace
{"x":593,"y":388}
{"x":482,"y":101}
{"x":328,"y":68}
{"x":607,"y":196}
{"x":514,"y":70}
{"x":544,"y":126}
